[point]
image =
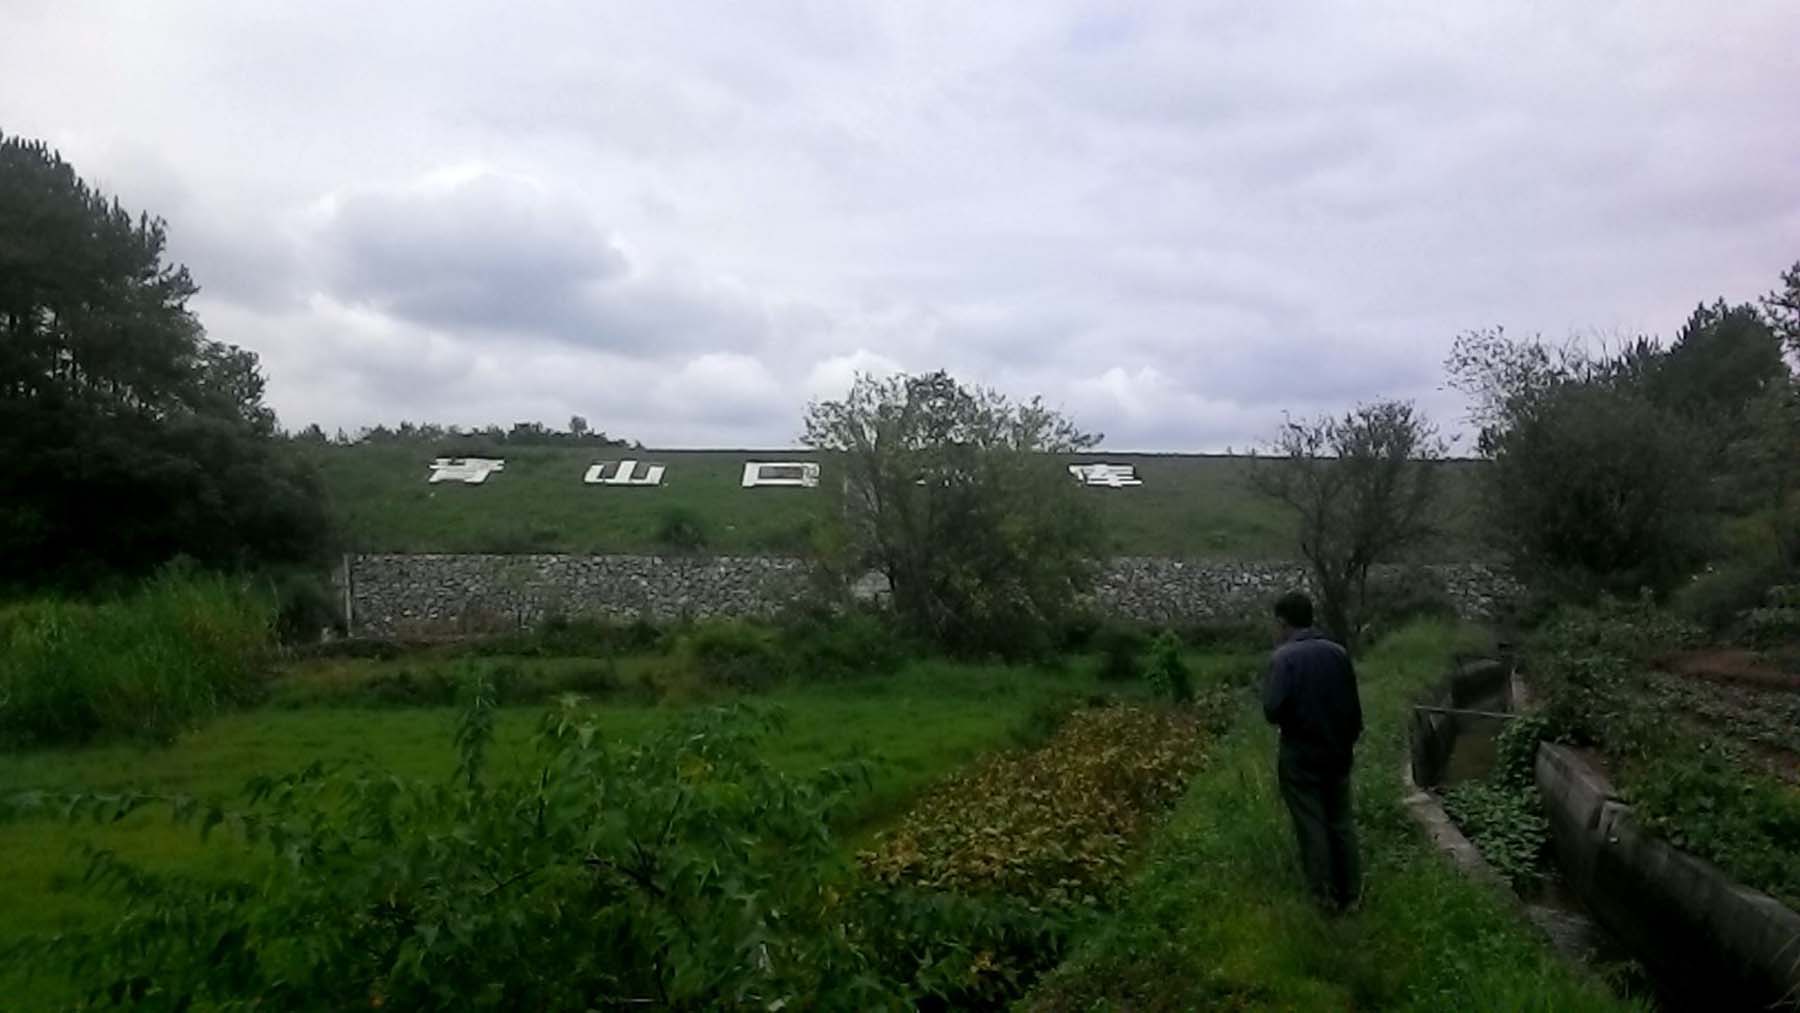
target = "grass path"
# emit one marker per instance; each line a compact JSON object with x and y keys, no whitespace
{"x":1218,"y":919}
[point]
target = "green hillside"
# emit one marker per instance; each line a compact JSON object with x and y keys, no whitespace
{"x":1189,"y":505}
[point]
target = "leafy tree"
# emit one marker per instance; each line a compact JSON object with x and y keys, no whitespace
{"x":1783,"y":308}
{"x":948,"y":491}
{"x":129,"y":436}
{"x":1597,"y":490}
{"x":1723,"y":359}
{"x":1364,"y":487}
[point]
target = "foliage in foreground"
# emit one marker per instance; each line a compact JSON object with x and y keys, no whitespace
{"x":1218,"y":917}
{"x":177,"y":651}
{"x":682,"y":871}
{"x":1507,"y":823}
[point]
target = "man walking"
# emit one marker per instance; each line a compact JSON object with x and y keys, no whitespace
{"x":1310,"y":692}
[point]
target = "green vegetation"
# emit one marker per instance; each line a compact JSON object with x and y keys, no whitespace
{"x":176,"y":652}
{"x":1692,"y":758}
{"x":1364,"y":491}
{"x":1189,"y":505}
{"x":129,"y":436}
{"x":911,"y":728}
{"x":1218,"y":917}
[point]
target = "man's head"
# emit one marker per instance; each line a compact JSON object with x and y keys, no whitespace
{"x":1293,"y":611}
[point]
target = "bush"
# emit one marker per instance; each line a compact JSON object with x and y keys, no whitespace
{"x":305,"y":605}
{"x":1228,"y":636}
{"x":682,"y":872}
{"x":179,"y":650}
{"x":680,"y":529}
{"x":841,"y":646}
{"x":733,"y":654}
{"x":1708,"y":801}
{"x":1403,"y":596}
{"x":1590,"y":665}
{"x":1167,"y":673}
{"x":1775,"y":623}
{"x":1719,"y":597}
{"x":563,"y":637}
{"x":1121,"y":650}
{"x":1515,"y":751}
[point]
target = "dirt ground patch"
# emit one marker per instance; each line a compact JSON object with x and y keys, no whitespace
{"x":1733,"y":666}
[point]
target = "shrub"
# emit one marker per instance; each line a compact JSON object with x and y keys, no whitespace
{"x":1590,"y":665}
{"x":680,"y":529}
{"x":1226,"y":636}
{"x":1121,"y":649}
{"x":841,"y":646}
{"x":1167,"y":673}
{"x":1710,"y":802}
{"x":582,"y":637}
{"x":305,"y":605}
{"x":1775,"y":623}
{"x":149,"y":664}
{"x":1399,"y":597}
{"x":1051,"y":825}
{"x":733,"y":654}
{"x":1515,"y":751}
{"x":682,"y":872}
{"x":1505,"y":823}
{"x":1718,"y":598}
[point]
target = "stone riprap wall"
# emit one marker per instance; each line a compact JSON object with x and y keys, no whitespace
{"x":1173,"y":591}
{"x":434,"y":595}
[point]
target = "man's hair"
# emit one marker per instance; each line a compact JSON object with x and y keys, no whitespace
{"x":1295,"y":609}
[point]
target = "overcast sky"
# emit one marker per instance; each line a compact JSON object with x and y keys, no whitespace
{"x":682,"y":220}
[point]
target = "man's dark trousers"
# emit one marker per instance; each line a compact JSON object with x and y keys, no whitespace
{"x":1319,"y":801}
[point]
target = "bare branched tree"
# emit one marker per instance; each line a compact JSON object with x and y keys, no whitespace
{"x":1364,"y":488}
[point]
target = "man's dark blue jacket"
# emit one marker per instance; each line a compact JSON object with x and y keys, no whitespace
{"x":1310,"y":692}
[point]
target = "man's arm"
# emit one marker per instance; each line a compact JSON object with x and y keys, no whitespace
{"x":1275,"y":691}
{"x":1356,"y":714}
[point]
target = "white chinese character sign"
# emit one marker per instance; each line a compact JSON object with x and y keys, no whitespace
{"x":778,"y":473}
{"x":467,"y":470}
{"x":1111,"y":476}
{"x":624,"y":473}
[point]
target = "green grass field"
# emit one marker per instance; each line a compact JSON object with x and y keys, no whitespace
{"x":1218,"y":917}
{"x":912,"y":728}
{"x":1192,"y":506}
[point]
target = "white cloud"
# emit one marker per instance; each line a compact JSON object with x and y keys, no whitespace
{"x":1175,"y":219}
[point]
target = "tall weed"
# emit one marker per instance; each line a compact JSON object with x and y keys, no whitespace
{"x":178,"y":650}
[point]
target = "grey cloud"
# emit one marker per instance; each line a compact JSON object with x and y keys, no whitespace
{"x":1176,"y":218}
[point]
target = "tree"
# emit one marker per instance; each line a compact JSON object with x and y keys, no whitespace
{"x":129,"y":437}
{"x":949,"y":491}
{"x":1723,"y":359}
{"x":1597,"y":481}
{"x":1783,"y":308}
{"x":578,"y":426}
{"x":1364,"y":486}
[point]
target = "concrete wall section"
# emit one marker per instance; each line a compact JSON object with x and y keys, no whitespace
{"x":1709,"y":939}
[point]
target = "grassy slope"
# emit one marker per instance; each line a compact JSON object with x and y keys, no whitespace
{"x":1188,"y":506}
{"x":913,"y":727}
{"x":1218,"y":918}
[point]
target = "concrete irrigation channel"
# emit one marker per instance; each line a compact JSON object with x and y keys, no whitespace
{"x":1706,"y":942}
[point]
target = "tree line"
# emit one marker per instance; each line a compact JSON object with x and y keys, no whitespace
{"x":130,"y":438}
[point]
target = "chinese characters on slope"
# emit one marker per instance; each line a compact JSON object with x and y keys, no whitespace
{"x":757,"y":474}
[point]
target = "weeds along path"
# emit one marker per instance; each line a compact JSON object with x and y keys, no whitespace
{"x":1217,"y":917}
